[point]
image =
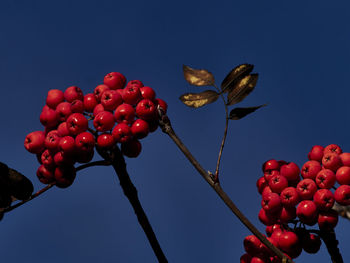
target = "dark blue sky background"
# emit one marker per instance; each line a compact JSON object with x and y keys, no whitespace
{"x":300,"y":50}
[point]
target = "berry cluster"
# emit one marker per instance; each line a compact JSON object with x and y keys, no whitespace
{"x":287,"y":198}
{"x":120,"y":112}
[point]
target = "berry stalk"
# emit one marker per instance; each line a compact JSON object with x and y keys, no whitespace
{"x":118,"y":163}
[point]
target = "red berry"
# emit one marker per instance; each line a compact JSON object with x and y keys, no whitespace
{"x":124,"y":113}
{"x":110,"y":99}
{"x":106,"y":140}
{"x":147,"y":93}
{"x":122,"y":133}
{"x":90,"y":102}
{"x":114,"y":80}
{"x":54,"y":97}
{"x":325,"y":179}
{"x":306,"y":189}
{"x":85,"y":142}
{"x":342,"y":195}
{"x":140,"y":129}
{"x":73,"y":93}
{"x":64,"y":176}
{"x":310,"y":169}
{"x":35,"y":142}
{"x":104,"y":121}
{"x":316,"y":153}
{"x":77,"y":123}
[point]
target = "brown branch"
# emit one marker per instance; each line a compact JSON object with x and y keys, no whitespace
{"x":167,"y":128}
{"x":118,"y":162}
{"x":331,"y":242}
{"x":343,"y":211}
{"x":41,"y":191}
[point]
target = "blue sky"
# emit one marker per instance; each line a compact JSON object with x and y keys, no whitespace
{"x":301,"y":52}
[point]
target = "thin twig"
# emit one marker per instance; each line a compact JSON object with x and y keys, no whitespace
{"x":41,"y":191}
{"x":118,"y":163}
{"x":96,"y":163}
{"x":167,"y":128}
{"x":216,"y":177}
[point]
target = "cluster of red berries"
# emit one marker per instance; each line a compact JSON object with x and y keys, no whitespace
{"x":120,"y":113}
{"x":287,"y":198}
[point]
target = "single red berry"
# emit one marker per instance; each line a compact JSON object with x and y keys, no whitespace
{"x":54,"y":97}
{"x":35,"y":142}
{"x":114,"y":80}
{"x":73,"y":93}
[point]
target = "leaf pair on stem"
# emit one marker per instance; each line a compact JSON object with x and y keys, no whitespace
{"x":238,"y":84}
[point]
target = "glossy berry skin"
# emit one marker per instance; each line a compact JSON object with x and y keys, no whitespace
{"x":266,"y":218}
{"x":77,"y":123}
{"x":67,"y":145}
{"x":306,"y":189}
{"x":289,"y":197}
{"x":47,"y":159}
{"x":49,"y":117}
{"x":106,"y":140}
{"x":342,"y":195}
{"x":343,"y":175}
{"x":98,"y":108}
{"x":73,"y":93}
{"x":85,"y":142}
{"x":332,"y":148}
{"x":35,"y":142}
{"x":324,"y":199}
{"x":110,"y":99}
{"x":63,"y":110}
{"x":104,"y":121}
{"x":98,"y":91}
{"x":140,"y":129}
{"x":132,"y":94}
{"x":64,"y":176}
{"x":114,"y":80}
{"x":277,"y":183}
{"x":77,"y":106}
{"x":147,"y":93}
{"x":345,"y":159}
{"x":124,"y":113}
{"x":270,"y":173}
{"x":310,"y":169}
{"x":331,"y":161}
{"x":146,"y":110}
{"x":270,"y":165}
{"x":289,"y":242}
{"x":325,"y":179}
{"x":62,"y":129}
{"x":271,"y":202}
{"x":122,"y":133}
{"x":261,"y":183}
{"x":287,"y":214}
{"x":132,"y":148}
{"x":291,"y":171}
{"x":45,"y":175}
{"x":54,"y":97}
{"x":316,"y":153}
{"x":307,"y":212}
{"x":62,"y":158}
{"x":327,"y":220}
{"x":90,"y":102}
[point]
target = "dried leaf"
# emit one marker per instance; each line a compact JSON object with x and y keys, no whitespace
{"x":242,"y":89}
{"x":20,"y":186}
{"x":198,"y":77}
{"x":239,"y":113}
{"x":235,"y":75}
{"x":197,"y":100}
